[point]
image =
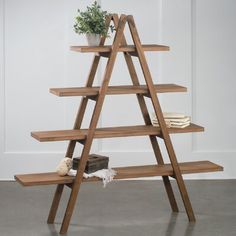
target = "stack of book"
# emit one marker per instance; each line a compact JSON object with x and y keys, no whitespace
{"x":173,"y":120}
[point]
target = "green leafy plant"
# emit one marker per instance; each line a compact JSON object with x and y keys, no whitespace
{"x":91,"y":21}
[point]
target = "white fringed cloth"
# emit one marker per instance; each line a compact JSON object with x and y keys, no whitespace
{"x":106,"y":175}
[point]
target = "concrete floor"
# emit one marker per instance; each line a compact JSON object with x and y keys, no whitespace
{"x":137,"y":208}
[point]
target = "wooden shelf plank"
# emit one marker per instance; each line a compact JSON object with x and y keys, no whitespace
{"x":128,"y":48}
{"x":122,"y":173}
{"x":109,"y":132}
{"x":166,"y":169}
{"x":43,"y":179}
{"x":116,"y":90}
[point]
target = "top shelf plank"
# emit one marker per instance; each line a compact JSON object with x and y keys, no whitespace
{"x":128,"y":48}
{"x":116,"y":90}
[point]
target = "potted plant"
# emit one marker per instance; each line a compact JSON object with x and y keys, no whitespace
{"x":91,"y":23}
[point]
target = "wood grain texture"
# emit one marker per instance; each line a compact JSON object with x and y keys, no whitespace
{"x":42,"y":179}
{"x":93,"y":124}
{"x":86,"y":136}
{"x":128,"y":48}
{"x":116,"y":90}
{"x":110,"y":132}
{"x":122,"y":173}
{"x":147,"y":119}
{"x":161,"y":121}
{"x":77,"y":125}
{"x":55,"y":203}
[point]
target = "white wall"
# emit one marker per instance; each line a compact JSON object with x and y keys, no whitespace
{"x":34,"y":55}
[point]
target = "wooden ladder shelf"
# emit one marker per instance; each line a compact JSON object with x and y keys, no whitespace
{"x":86,"y":136}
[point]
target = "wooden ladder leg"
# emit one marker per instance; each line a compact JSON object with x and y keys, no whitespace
{"x":147,"y":121}
{"x":77,"y":125}
{"x":84,"y":101}
{"x":72,"y":199}
{"x":153,"y":139}
{"x":72,"y":143}
{"x":83,"y":105}
{"x":159,"y":114}
{"x":55,"y":204}
{"x":165,"y":179}
{"x":92,"y":126}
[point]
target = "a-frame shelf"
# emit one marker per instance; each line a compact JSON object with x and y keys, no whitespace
{"x":85,"y":137}
{"x":122,"y":173}
{"x":117,"y":90}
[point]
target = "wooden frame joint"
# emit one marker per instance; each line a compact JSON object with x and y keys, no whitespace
{"x":133,"y":54}
{"x":93,"y":97}
{"x":81,"y":141}
{"x":104,"y":54}
{"x":147,"y":95}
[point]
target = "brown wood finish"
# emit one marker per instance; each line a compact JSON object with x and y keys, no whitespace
{"x":57,"y":195}
{"x":93,"y":124}
{"x":110,"y":132}
{"x":78,"y":121}
{"x":89,"y":84}
{"x":122,"y":173}
{"x":72,"y":143}
{"x":43,"y":179}
{"x":86,"y":136}
{"x":166,"y":169}
{"x":147,"y":120}
{"x":128,"y":48}
{"x":116,"y":90}
{"x":159,"y":115}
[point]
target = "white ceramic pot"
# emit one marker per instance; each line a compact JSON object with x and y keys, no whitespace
{"x":93,"y":39}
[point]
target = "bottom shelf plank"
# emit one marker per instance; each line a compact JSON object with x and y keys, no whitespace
{"x":122,"y":173}
{"x":43,"y":179}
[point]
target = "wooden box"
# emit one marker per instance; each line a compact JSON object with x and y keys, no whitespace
{"x":95,"y":162}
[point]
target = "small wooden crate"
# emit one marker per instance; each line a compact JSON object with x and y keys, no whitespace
{"x":95,"y":162}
